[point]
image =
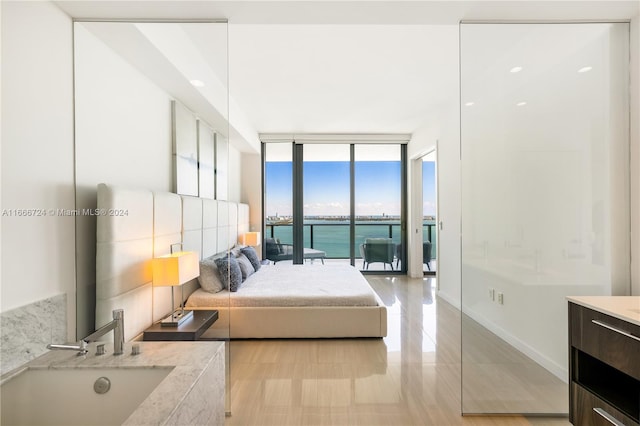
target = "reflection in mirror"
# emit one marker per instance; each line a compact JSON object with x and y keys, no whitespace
{"x":126,"y":76}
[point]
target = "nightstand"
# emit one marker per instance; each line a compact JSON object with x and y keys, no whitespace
{"x":191,"y":329}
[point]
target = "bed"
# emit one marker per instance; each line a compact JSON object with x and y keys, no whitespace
{"x":297,"y":301}
{"x":154,"y":221}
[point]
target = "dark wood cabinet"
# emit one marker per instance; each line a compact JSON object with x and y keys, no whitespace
{"x":589,"y":410}
{"x":604,"y":369}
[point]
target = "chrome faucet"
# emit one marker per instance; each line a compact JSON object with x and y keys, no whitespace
{"x":117,"y":325}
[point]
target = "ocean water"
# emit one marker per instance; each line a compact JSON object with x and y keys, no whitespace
{"x":332,"y":237}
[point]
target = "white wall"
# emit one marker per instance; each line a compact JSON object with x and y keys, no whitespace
{"x":449,"y":210}
{"x":252,"y":189}
{"x":37,"y":155}
{"x":444,"y":129}
{"x":235,"y":174}
{"x":123,"y":120}
{"x":415,"y":217}
{"x":123,"y":137}
{"x":423,"y":141}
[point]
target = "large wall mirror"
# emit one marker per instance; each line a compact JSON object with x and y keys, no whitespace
{"x":128,"y":76}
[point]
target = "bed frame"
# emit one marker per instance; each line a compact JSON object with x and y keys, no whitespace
{"x":147,"y":225}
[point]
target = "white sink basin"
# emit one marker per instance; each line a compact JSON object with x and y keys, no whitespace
{"x":66,"y":396}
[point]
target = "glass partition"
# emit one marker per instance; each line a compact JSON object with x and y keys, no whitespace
{"x":544,"y":143}
{"x":151,"y":112}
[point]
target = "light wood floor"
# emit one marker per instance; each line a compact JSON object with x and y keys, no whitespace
{"x":411,"y":377}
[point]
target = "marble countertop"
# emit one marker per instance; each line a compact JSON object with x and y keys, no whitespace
{"x":188,"y":361}
{"x":626,"y":308}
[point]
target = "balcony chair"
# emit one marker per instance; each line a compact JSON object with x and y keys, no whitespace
{"x":426,"y":254}
{"x":277,"y":251}
{"x":377,"y":250}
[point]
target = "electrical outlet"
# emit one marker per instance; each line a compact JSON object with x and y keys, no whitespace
{"x":492,"y":294}
{"x":500,"y":298}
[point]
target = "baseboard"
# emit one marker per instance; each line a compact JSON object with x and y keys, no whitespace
{"x":449,"y":299}
{"x":554,"y":368}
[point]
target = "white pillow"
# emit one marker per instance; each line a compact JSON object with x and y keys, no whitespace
{"x":210,"y":276}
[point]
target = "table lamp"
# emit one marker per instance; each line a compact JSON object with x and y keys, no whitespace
{"x":250,"y":239}
{"x":174,"y":270}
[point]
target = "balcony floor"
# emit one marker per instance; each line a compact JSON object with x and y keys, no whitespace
{"x":373,"y":267}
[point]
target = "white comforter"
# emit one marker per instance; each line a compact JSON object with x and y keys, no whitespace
{"x":294,"y":285}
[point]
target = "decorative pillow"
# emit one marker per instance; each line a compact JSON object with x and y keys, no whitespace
{"x":245,"y":266}
{"x":235,"y":250}
{"x":209,"y":276}
{"x":230,"y":272}
{"x":251,"y":254}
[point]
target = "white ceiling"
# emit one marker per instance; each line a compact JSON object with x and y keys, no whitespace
{"x":341,"y":78}
{"x":342,"y":67}
{"x":387,"y":12}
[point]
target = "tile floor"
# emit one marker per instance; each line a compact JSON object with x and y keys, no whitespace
{"x":411,"y":377}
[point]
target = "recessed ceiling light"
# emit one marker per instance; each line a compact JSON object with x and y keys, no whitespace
{"x":585,"y":69}
{"x":521,"y":103}
{"x":516,"y":69}
{"x":197,"y":83}
{"x":468,"y":104}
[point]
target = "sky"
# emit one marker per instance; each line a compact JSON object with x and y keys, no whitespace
{"x":326,"y":188}
{"x":429,"y":188}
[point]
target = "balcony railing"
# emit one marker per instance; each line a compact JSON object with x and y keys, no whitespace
{"x":333,"y":238}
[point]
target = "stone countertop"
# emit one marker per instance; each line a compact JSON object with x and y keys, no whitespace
{"x":187,"y":359}
{"x":626,"y":308}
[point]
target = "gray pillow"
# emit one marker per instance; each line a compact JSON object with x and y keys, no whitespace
{"x":245,"y":266}
{"x":209,"y":276}
{"x":251,"y":254}
{"x":235,"y":250}
{"x":230,"y":273}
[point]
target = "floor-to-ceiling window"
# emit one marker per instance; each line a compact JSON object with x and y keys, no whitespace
{"x":351,"y":198}
{"x":278,"y":194}
{"x":378,"y":207}
{"x":326,"y":201}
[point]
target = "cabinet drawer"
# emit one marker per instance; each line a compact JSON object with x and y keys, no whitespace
{"x":609,"y":339}
{"x":589,"y":410}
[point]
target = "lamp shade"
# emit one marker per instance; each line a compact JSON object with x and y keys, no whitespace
{"x":251,"y":239}
{"x":175,"y":269}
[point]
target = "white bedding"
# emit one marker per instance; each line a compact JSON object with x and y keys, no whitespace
{"x":286,"y":285}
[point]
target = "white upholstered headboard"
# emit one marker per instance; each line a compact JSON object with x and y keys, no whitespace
{"x":135,"y":225}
